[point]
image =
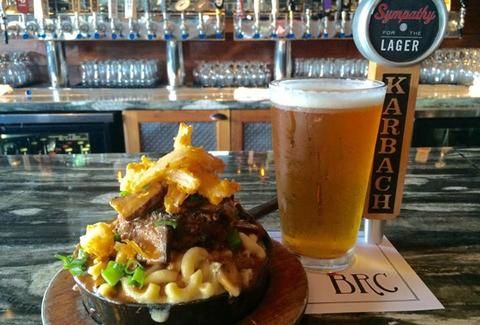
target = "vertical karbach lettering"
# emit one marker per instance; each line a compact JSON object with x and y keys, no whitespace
{"x":390,"y":126}
{"x":388,"y":145}
{"x":381,"y":201}
{"x":382,"y":183}
{"x":393,"y":108}
{"x":385,"y":166}
{"x":395,"y":88}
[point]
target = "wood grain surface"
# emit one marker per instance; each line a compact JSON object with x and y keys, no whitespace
{"x":284,"y":301}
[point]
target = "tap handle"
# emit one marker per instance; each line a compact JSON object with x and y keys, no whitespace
{"x":40,"y":10}
{"x":23,"y":7}
{"x":112,"y":9}
{"x":291,"y":5}
{"x":218,"y":4}
{"x":274,"y":8}
{"x":130,"y":9}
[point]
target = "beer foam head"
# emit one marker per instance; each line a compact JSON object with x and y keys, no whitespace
{"x":326,"y":93}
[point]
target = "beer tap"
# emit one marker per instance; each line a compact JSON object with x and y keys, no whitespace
{"x":183,"y":27}
{"x":115,"y":26}
{"x":308,"y":19}
{"x":166,"y":31}
{"x":239,"y":13}
{"x":200,"y":27}
{"x":131,"y":16}
{"x":40,"y":12}
{"x":3,"y":18}
{"x":81,"y":26}
{"x":327,"y":5}
{"x":218,"y":17}
{"x":99,"y":25}
{"x":291,"y":10}
{"x":200,"y":7}
{"x":463,"y":13}
{"x":256,"y":23}
{"x":23,"y":8}
{"x":151,"y":33}
{"x":181,"y":6}
{"x":274,"y":19}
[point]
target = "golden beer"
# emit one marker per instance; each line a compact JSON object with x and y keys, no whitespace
{"x":324,"y":134}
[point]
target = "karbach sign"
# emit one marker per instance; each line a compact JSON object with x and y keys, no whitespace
{"x":399,"y":32}
{"x":395,"y":35}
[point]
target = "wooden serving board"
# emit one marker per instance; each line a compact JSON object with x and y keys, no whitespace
{"x":283,"y":303}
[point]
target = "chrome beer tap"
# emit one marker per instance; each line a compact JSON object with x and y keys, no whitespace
{"x":167,"y":35}
{"x":99,"y":25}
{"x":149,"y":26}
{"x":291,"y":10}
{"x":273,"y":18}
{"x":218,"y":17}
{"x":239,"y":13}
{"x":24,"y":9}
{"x":181,"y":6}
{"x":81,"y":25}
{"x":256,"y":23}
{"x":307,"y":34}
{"x":327,"y":5}
{"x":40,"y":12}
{"x":200,"y":26}
{"x":131,"y":16}
{"x":4,"y":22}
{"x":115,"y":25}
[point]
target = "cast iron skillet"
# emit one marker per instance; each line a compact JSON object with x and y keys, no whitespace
{"x":220,"y":309}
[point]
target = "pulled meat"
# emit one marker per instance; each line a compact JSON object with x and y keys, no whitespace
{"x":198,"y":223}
{"x":152,"y":239}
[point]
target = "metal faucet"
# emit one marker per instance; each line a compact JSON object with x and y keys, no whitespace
{"x":239,"y":13}
{"x":4,"y":22}
{"x":274,"y":13}
{"x":166,"y":31}
{"x":256,"y":23}
{"x":115,"y":26}
{"x":218,"y":17}
{"x":291,"y":10}
{"x":308,"y":18}
{"x":131,"y":15}
{"x":151,"y":32}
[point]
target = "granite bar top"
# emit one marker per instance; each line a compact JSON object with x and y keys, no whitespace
{"x":46,"y":202}
{"x":433,"y":101}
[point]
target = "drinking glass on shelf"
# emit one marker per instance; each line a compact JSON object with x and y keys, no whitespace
{"x":120,"y":73}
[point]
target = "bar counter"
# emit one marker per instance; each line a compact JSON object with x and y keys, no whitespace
{"x":434,"y":101}
{"x":46,"y":202}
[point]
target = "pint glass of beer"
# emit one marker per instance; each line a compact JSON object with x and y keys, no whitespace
{"x":324,"y":134}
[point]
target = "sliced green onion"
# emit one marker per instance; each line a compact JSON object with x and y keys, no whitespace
{"x":137,"y":278}
{"x":113,"y":273}
{"x":116,"y":237}
{"x":123,"y":193}
{"x":234,"y":240}
{"x":166,"y":222}
{"x":76,"y":266}
{"x":131,"y":266}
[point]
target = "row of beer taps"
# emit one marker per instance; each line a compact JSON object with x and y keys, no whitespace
{"x":295,"y":19}
{"x":174,"y":20}
{"x":111,"y":19}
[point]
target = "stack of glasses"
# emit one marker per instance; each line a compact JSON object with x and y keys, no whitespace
{"x":16,"y":69}
{"x":331,"y":68}
{"x":120,"y":73}
{"x":232,"y":74}
{"x":452,"y":66}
